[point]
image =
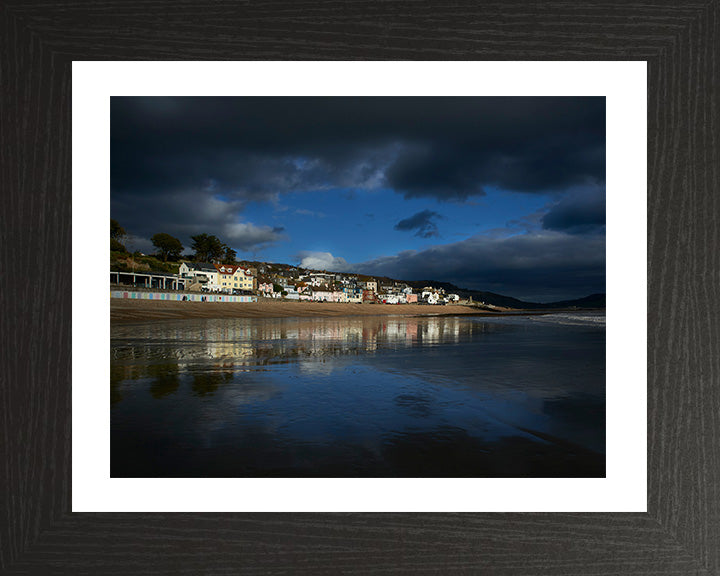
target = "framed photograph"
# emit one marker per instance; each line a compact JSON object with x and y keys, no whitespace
{"x":495,"y":185}
{"x":585,"y":481}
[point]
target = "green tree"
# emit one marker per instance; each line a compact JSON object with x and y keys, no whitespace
{"x":229,"y":256}
{"x":207,"y":247}
{"x":116,"y":233}
{"x":168,"y":246}
{"x":117,"y":246}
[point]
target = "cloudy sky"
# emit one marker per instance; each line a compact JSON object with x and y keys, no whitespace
{"x":499,"y":194}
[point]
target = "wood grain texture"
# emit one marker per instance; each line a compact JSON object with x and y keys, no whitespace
{"x":681,"y":532}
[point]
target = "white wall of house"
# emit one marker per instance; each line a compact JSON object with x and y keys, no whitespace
{"x":211,"y":279}
{"x":353,"y":295}
{"x":208,"y":278}
{"x":327,"y":296}
{"x":394,"y":298}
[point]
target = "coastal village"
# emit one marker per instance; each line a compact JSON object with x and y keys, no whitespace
{"x":211,"y":272}
{"x":276,"y":281}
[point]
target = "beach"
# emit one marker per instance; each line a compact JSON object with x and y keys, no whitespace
{"x":127,"y":310}
{"x":429,"y":396}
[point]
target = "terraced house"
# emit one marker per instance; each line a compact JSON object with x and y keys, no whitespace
{"x":232,"y":277}
{"x":218,"y":277}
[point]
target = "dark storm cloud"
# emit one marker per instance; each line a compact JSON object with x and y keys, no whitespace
{"x":449,"y":148}
{"x":186,"y":165}
{"x":422,"y":223}
{"x":544,"y":266}
{"x":578,"y":213}
{"x":187,"y":212}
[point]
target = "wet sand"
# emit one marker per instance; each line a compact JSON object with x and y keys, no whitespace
{"x":355,"y":397}
{"x":125,"y":311}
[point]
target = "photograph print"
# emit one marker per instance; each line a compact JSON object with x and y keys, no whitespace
{"x":346,"y":287}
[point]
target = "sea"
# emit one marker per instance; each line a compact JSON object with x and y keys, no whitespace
{"x":379,"y":396}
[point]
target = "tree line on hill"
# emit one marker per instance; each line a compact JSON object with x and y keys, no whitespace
{"x":206,"y":247}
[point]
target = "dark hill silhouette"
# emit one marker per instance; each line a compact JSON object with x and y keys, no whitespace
{"x":592,"y":301}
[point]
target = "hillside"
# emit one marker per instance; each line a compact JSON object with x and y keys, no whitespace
{"x":125,"y":262}
{"x":592,"y":301}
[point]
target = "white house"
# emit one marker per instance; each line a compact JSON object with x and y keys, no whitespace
{"x":393,"y":298}
{"x":328,"y":296}
{"x":291,"y":292}
{"x":354,"y":295}
{"x":319,"y":279}
{"x":203,"y":272}
{"x":431,"y":297}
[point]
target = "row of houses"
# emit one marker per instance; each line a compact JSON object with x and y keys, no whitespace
{"x":310,"y":286}
{"x":209,"y":277}
{"x":327,"y":287}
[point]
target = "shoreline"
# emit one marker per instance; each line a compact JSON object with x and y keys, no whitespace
{"x":124,"y":311}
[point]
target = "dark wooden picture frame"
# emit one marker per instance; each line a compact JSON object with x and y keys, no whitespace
{"x":680,"y":533}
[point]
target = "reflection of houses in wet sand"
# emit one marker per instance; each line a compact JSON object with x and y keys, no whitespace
{"x":431,"y":332}
{"x":239,"y":345}
{"x":345,"y":334}
{"x":411,"y":329}
{"x":229,"y":350}
{"x":437,"y":330}
{"x":400,"y":330}
{"x":369,"y":336}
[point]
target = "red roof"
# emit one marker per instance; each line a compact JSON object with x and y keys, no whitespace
{"x":230,"y":269}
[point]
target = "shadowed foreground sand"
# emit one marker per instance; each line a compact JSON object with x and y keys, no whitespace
{"x":122,"y":310}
